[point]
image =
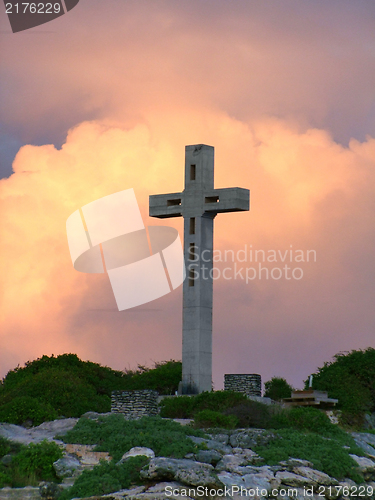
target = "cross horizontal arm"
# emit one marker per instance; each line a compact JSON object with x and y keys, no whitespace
{"x":227,"y":200}
{"x":164,"y":206}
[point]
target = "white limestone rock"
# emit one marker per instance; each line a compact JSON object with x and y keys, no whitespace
{"x":365,"y":466}
{"x":136,"y":452}
{"x":66,"y":466}
{"x":315,"y":475}
{"x":291,"y":479}
{"x":181,"y":470}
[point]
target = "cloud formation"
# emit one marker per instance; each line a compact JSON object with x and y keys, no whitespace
{"x":308,"y":192}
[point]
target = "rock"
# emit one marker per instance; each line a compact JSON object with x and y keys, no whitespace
{"x":365,"y":467}
{"x":291,"y":479}
{"x":50,"y":491}
{"x":198,"y":440}
{"x":7,"y":460}
{"x":208,"y":457}
{"x":218,"y":446}
{"x":249,"y":456}
{"x":182,"y":470}
{"x":66,"y":466}
{"x":230,"y":463}
{"x":221,"y":438}
{"x":47,"y":430}
{"x":136,"y":452}
{"x":366,"y":442}
{"x":93,"y":415}
{"x":315,"y":475}
{"x":296,"y":462}
{"x":86,"y":454}
{"x":250,"y":438}
{"x":262,"y":482}
{"x":369,"y":422}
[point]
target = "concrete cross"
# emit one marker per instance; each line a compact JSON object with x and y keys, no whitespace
{"x":198,"y":204}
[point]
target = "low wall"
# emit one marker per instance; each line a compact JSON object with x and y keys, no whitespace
{"x":249,"y":384}
{"x":135,"y":404}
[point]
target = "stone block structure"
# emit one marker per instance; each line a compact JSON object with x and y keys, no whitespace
{"x":135,"y":404}
{"x":248,"y":384}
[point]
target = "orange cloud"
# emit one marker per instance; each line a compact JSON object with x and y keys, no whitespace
{"x":307,"y":191}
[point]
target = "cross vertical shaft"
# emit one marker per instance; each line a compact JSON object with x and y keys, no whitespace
{"x":198,"y":204}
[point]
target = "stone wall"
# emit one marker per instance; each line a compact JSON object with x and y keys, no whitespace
{"x":135,"y":404}
{"x":249,"y":384}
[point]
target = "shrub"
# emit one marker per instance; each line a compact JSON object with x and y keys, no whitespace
{"x":277,"y":388}
{"x":117,"y":435}
{"x":73,"y":387}
{"x":210,"y":418}
{"x":106,"y":478}
{"x":30,"y":464}
{"x":188,"y":406}
{"x":351,"y":379}
{"x":326,"y":455}
{"x":251,"y":414}
{"x":25,"y":408}
{"x":38,"y":459}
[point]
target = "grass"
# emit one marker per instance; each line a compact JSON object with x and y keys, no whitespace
{"x":327,"y":454}
{"x":117,"y":435}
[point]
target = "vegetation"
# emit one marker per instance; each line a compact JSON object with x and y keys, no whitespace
{"x":350,"y":378}
{"x":106,"y":478}
{"x":251,"y":414}
{"x":189,"y":406}
{"x":28,"y":464}
{"x":210,"y":418}
{"x":326,"y":455}
{"x":66,"y":386}
{"x":117,"y":435}
{"x":277,"y":388}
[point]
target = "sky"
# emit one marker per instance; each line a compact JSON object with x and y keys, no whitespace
{"x":107,"y":96}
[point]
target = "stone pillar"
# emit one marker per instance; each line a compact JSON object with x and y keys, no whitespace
{"x":135,"y":404}
{"x":248,"y":384}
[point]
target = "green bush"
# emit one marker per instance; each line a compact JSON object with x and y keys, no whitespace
{"x":106,"y":478}
{"x":38,"y":459}
{"x":350,"y":378}
{"x":251,"y":414}
{"x":117,"y":435}
{"x":25,"y":408}
{"x":304,"y":419}
{"x":210,"y":418}
{"x":30,"y":464}
{"x":188,"y":406}
{"x":73,"y":387}
{"x":277,"y":388}
{"x":326,"y":455}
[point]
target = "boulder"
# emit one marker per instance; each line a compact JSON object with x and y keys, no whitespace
{"x":250,"y":438}
{"x":136,"y":452}
{"x":315,"y":475}
{"x":181,"y":470}
{"x":366,"y":442}
{"x":208,"y":457}
{"x":6,"y":460}
{"x":66,"y":466}
{"x":365,"y":467}
{"x":221,"y":437}
{"x":230,"y":463}
{"x":292,"y":479}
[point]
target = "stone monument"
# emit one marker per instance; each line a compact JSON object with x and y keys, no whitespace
{"x":198,"y":204}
